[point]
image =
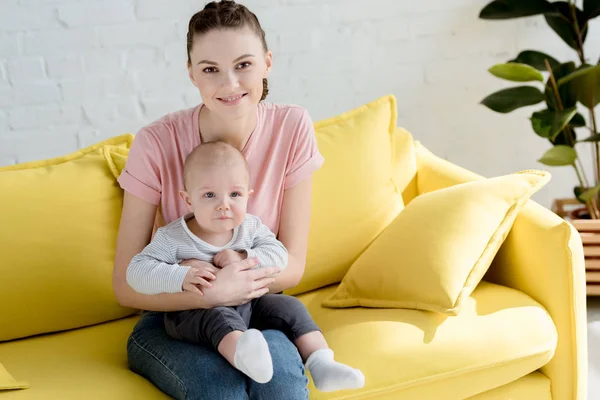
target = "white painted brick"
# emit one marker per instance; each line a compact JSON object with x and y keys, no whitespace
{"x":92,"y":88}
{"x":153,"y":82}
{"x":191,"y":96}
{"x":19,"y":18}
{"x":140,"y":59}
{"x":35,"y":93}
{"x":156,"y":107}
{"x":291,"y":18}
{"x":408,"y":7}
{"x":366,"y":10}
{"x":6,"y":97}
{"x":175,"y":54}
{"x":392,"y":31}
{"x":302,"y":2}
{"x":4,"y":128}
{"x":150,"y":34}
{"x":69,"y":66}
{"x":3,"y":76}
{"x":48,"y":43}
{"x":40,"y":117}
{"x":113,"y":128}
{"x":32,"y":145}
{"x":160,"y":9}
{"x":26,"y":69}
{"x":6,"y":161}
{"x":292,"y":43}
{"x":99,"y":13}
{"x":111,"y":108}
{"x":9,"y":45}
{"x":103,"y":62}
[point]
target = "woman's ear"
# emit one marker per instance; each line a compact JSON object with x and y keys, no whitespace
{"x":269,"y":62}
{"x":250,"y":192}
{"x":190,"y":73}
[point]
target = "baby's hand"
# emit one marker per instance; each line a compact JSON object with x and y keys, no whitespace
{"x":199,"y":275}
{"x":226,"y":257}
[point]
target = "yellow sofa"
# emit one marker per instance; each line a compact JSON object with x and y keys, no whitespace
{"x":520,"y":335}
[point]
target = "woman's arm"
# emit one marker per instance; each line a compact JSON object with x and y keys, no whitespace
{"x":135,"y":230}
{"x":293,"y":233}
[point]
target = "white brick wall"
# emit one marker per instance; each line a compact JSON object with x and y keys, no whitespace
{"x":74,"y":72}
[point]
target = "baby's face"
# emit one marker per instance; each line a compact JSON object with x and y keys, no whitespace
{"x":219,"y":197}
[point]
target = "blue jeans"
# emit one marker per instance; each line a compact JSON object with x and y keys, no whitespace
{"x":188,"y":371}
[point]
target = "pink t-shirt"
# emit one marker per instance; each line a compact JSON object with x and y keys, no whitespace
{"x":281,"y":152}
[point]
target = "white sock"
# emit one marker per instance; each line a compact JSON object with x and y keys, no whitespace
{"x":330,"y":375}
{"x":252,"y":356}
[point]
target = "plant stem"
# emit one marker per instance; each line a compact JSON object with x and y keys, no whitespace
{"x":584,"y":184}
{"x":578,"y":34}
{"x":591,"y":205}
{"x":559,"y":101}
{"x":597,"y":147}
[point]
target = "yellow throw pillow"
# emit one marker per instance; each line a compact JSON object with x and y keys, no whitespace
{"x":7,"y":382}
{"x":434,"y":254}
{"x":358,"y":190}
{"x":60,"y":219}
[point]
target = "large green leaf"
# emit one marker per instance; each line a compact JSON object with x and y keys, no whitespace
{"x":581,"y":71}
{"x":589,"y":194}
{"x":586,"y":83}
{"x":549,"y":123}
{"x":594,"y":138}
{"x":559,"y":156}
{"x":591,"y":8}
{"x":516,"y":72}
{"x":563,"y":24}
{"x":507,"y":9}
{"x":578,"y":121}
{"x":535,"y":59}
{"x":568,"y":92}
{"x":507,"y":100}
{"x":541,"y":122}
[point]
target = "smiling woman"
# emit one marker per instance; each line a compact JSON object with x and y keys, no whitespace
{"x":228,"y":62}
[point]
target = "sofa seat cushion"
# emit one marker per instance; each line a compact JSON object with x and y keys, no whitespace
{"x":86,"y":363}
{"x":500,"y":336}
{"x":533,"y":386}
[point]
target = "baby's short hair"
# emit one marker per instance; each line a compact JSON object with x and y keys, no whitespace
{"x":212,"y":154}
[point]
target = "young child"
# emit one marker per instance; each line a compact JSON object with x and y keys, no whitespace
{"x":219,"y":231}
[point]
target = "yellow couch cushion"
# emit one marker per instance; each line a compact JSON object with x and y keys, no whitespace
{"x":501,"y":335}
{"x":59,"y":225}
{"x":86,"y":363}
{"x":433,"y":255}
{"x":535,"y":386}
{"x":358,"y":191}
{"x":7,"y":382}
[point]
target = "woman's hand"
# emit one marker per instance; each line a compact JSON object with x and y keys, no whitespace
{"x":238,"y":283}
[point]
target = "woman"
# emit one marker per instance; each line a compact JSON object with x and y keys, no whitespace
{"x":228,"y":61}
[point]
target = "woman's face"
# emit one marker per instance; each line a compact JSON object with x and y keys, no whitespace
{"x":228,"y":67}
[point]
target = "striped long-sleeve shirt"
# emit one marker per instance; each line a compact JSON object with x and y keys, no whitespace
{"x":157,"y":270}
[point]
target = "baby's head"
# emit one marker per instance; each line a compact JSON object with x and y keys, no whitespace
{"x":216,"y":180}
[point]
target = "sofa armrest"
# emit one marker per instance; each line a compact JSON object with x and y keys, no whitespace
{"x":542,"y":257}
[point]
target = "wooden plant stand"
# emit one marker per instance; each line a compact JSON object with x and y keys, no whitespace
{"x":590,"y":236}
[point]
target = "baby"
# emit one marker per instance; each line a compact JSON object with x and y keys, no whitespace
{"x":218,"y":231}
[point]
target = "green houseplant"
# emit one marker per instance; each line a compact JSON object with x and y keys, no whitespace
{"x":563,"y":88}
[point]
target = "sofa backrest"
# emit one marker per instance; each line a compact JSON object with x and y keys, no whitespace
{"x":59,"y":226}
{"x":358,"y":191}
